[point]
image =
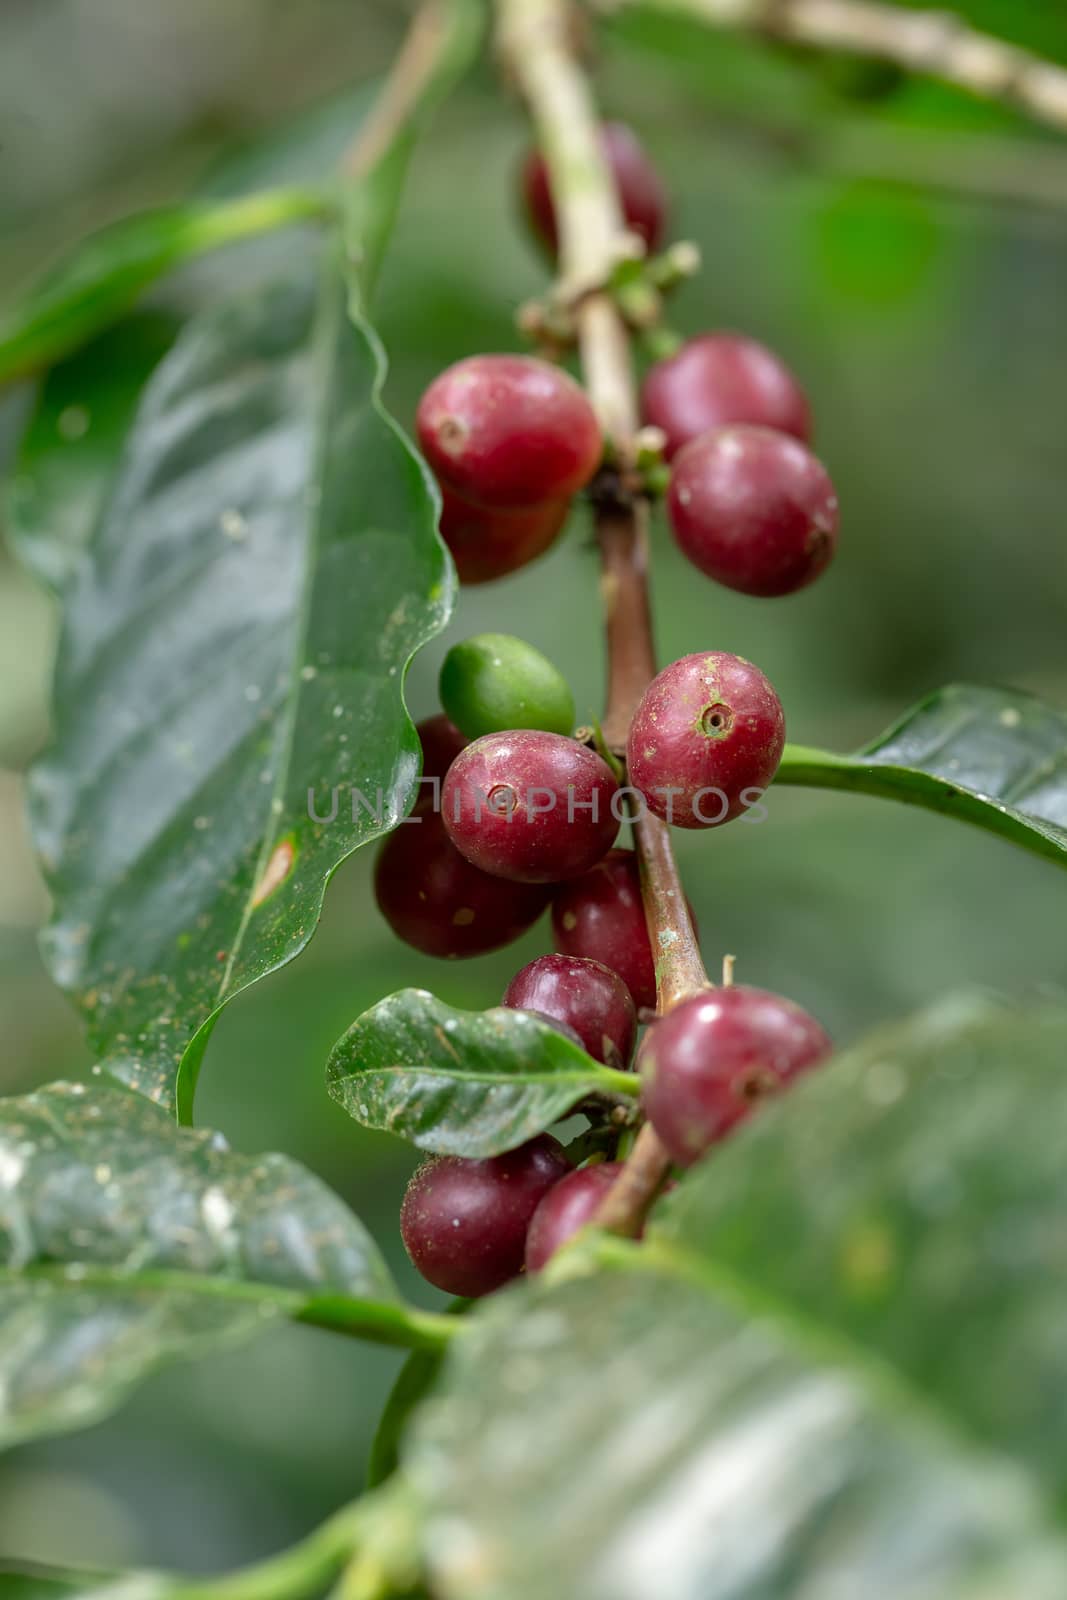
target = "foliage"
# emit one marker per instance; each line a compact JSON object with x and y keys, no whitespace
{"x":832,"y":1365}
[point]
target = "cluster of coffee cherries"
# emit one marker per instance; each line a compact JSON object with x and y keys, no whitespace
{"x":510,"y":822}
{"x":516,"y":813}
{"x":470,"y":1226}
{"x":512,"y":439}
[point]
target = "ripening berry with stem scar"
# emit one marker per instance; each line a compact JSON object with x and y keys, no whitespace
{"x":531,"y":806}
{"x":706,"y":1063}
{"x":706,"y":740}
{"x":509,"y":432}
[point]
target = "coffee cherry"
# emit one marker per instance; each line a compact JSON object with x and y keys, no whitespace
{"x":753,"y":509}
{"x":601,"y":916}
{"x":567,"y":1206}
{"x":583,"y":995}
{"x":509,"y":431}
{"x":641,"y":194}
{"x":556,"y":1025}
{"x":717,"y":380}
{"x":493,"y":682}
{"x":488,"y":543}
{"x":706,"y":1062}
{"x":705,"y":740}
{"x":441,"y":743}
{"x":438,"y":903}
{"x":529,"y":806}
{"x":464,"y":1223}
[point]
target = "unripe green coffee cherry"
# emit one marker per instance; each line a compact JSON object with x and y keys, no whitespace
{"x":493,"y":682}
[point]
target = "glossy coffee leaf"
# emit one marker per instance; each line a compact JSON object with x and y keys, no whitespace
{"x":996,"y":758}
{"x":69,"y":452}
{"x":87,"y":400}
{"x":230,"y":676}
{"x":462,"y":1083}
{"x":934,"y":1238}
{"x":104,"y":274}
{"x":126,"y":1242}
{"x":835,"y":1367}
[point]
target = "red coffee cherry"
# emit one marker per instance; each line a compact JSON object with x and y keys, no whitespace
{"x":705,"y":740}
{"x":441,"y":743}
{"x":488,"y":543}
{"x":600,"y":916}
{"x":464,"y":1223}
{"x":509,"y":431}
{"x":720,"y":379}
{"x":753,"y":509}
{"x":641,"y":194}
{"x":567,"y":1206}
{"x":707,"y":1062}
{"x":439,"y":903}
{"x":530,"y":806}
{"x":585,"y":997}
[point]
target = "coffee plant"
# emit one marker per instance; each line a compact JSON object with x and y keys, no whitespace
{"x":714,"y":1336}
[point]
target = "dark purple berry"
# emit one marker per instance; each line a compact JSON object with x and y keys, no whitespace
{"x":720,"y":379}
{"x":641,"y":194}
{"x":509,"y":431}
{"x":753,"y":509}
{"x":439,"y":903}
{"x":705,"y":740}
{"x":707,"y":1062}
{"x":488,"y":543}
{"x":567,"y":1206}
{"x":601,"y":916}
{"x":464,"y":1223}
{"x":584,"y":996}
{"x":530,"y":806}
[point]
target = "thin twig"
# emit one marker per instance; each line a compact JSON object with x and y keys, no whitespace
{"x":935,"y":43}
{"x":412,"y":71}
{"x":536,"y":39}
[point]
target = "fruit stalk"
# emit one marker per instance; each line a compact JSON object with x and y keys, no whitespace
{"x":538,"y":42}
{"x":933,"y":42}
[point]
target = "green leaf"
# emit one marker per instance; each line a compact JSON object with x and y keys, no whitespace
{"x":87,"y":401}
{"x":126,"y":1242}
{"x":996,"y":758}
{"x":835,"y":1367}
{"x":462,"y":1083}
{"x":70,"y":449}
{"x":237,"y":639}
{"x":28,"y":1581}
{"x":106,"y":272}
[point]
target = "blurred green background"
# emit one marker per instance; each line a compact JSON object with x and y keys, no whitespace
{"x":906,"y":249}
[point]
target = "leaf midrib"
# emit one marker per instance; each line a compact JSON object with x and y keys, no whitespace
{"x":384,"y":1321}
{"x":624,"y":1082}
{"x":325,"y":330}
{"x":807,"y":767}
